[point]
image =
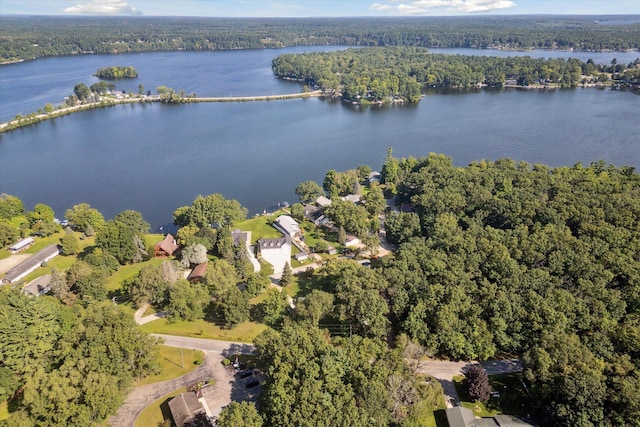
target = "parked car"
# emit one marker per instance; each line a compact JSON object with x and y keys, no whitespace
{"x":253,"y":382}
{"x":246,"y":373}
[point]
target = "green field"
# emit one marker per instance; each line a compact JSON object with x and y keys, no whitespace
{"x":244,"y":332}
{"x":171,"y":359}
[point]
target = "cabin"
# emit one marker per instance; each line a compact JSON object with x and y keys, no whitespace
{"x":21,"y":245}
{"x":166,"y":248}
{"x":198,"y":273}
{"x":276,"y":252}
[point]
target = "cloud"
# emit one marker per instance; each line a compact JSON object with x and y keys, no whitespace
{"x":423,"y":7}
{"x":103,"y":7}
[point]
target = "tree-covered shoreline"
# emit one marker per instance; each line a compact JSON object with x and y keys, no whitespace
{"x":27,"y":38}
{"x":383,"y":74}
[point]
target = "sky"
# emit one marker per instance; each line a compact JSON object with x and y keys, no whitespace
{"x":316,"y":8}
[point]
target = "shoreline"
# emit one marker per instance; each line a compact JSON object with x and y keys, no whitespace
{"x":35,"y":118}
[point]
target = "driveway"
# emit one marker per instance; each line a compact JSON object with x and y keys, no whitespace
{"x":217,"y":396}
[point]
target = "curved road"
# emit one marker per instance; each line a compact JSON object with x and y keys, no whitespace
{"x":221,"y":391}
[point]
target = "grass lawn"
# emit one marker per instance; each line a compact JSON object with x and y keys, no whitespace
{"x":479,"y":409}
{"x":171,"y":364}
{"x":4,"y":410}
{"x":158,"y":411}
{"x":244,"y":332}
{"x":259,"y":226}
{"x":513,"y":398}
{"x":128,"y":272}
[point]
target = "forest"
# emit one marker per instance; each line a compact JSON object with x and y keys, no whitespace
{"x":379,"y":74}
{"x":495,"y":259}
{"x":26,"y":38}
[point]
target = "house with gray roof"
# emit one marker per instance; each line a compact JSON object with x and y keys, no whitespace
{"x":21,"y":270}
{"x":276,"y":252}
{"x":287,"y":225}
{"x":459,"y":416}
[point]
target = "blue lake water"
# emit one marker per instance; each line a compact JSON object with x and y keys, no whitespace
{"x":155,"y":158}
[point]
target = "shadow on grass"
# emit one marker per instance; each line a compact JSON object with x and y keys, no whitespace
{"x":441,"y":418}
{"x":166,"y":412}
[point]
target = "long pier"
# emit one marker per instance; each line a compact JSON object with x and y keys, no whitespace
{"x":108,"y":101}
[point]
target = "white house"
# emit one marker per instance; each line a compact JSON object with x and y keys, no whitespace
{"x":287,"y":225}
{"x":276,"y":252}
{"x":21,"y":245}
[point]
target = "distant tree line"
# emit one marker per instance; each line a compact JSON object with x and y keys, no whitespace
{"x":25,"y":38}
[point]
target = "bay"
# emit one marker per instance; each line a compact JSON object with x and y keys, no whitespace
{"x":154,"y":158}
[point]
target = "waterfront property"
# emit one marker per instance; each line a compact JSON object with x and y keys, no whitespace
{"x":276,"y":252}
{"x":167,"y":247}
{"x":21,"y":270}
{"x":287,"y":225}
{"x":198,"y":272}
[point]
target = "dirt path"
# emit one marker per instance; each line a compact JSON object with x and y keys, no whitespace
{"x":7,"y":264}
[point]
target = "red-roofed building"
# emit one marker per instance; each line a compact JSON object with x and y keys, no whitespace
{"x":167,"y":247}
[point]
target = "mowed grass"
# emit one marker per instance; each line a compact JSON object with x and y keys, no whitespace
{"x":158,"y":411}
{"x":4,"y":410}
{"x":244,"y":332}
{"x":129,"y":272}
{"x":170,"y":359}
{"x":260,"y":226}
{"x":479,"y":409}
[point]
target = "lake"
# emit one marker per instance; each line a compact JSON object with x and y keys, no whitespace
{"x":154,"y":158}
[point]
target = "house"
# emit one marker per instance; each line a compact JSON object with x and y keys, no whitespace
{"x":198,"y":273}
{"x":38,"y":286}
{"x":459,"y":416}
{"x":331,"y":250}
{"x":276,"y":252}
{"x":374,"y":177}
{"x":21,"y":245}
{"x":185,"y":408}
{"x":31,"y":264}
{"x":167,"y":247}
{"x":315,"y":215}
{"x":323,"y":202}
{"x":287,"y":225}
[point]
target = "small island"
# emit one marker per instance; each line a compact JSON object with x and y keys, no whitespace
{"x":116,"y":72}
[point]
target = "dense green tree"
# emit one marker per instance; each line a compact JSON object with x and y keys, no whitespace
{"x":224,"y":245}
{"x":309,"y":191}
{"x":187,"y":301}
{"x":210,"y":210}
{"x":101,"y":260}
{"x":232,"y":307}
{"x":81,"y":91}
{"x":133,"y":220}
{"x":274,"y":307}
{"x":401,"y":226}
{"x":10,"y":206}
{"x":82,"y":216}
{"x":8,"y":234}
{"x":117,"y":239}
{"x":220,"y":276}
{"x":150,"y":287}
{"x":315,"y":307}
{"x":240,"y":414}
{"x":40,"y":213}
{"x":241,"y":260}
{"x":70,"y":244}
{"x":193,"y":255}
{"x":102,"y":87}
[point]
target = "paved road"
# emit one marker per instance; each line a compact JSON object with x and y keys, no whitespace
{"x":445,"y":371}
{"x":215,"y":346}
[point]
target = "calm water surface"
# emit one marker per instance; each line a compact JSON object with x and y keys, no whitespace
{"x":155,"y":158}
